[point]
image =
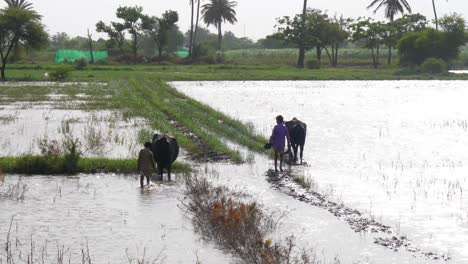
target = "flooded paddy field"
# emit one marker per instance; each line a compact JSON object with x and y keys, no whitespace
{"x":361,"y":152}
{"x":45,"y":112}
{"x":109,"y":215}
{"x":393,"y":150}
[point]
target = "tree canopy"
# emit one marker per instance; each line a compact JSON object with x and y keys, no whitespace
{"x":19,"y":28}
{"x":131,"y":21}
{"x":158,"y":28}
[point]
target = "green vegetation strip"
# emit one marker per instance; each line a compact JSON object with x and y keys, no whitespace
{"x":225,"y":72}
{"x":169,"y":110}
{"x":41,"y":165}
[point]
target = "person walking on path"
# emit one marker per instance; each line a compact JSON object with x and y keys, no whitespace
{"x":278,"y":139}
{"x":145,"y":165}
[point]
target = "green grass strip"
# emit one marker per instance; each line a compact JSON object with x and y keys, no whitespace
{"x":41,"y":165}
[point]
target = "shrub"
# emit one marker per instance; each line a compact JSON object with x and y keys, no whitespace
{"x":60,"y":73}
{"x":72,"y":155}
{"x":81,"y":64}
{"x":313,"y":64}
{"x":414,"y":48}
{"x":434,"y":65}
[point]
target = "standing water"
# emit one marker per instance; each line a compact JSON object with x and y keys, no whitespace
{"x":395,"y":150}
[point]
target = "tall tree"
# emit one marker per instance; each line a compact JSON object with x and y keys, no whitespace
{"x":116,"y":33}
{"x":313,"y":35}
{"x":19,"y":28}
{"x":370,"y":35}
{"x":158,"y":28}
{"x":215,"y":13}
{"x":335,"y":34}
{"x":132,"y":17}
{"x":132,"y":22}
{"x":21,"y":4}
{"x":392,"y":8}
{"x":302,"y":49}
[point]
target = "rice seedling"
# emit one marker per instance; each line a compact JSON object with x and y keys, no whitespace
{"x":14,"y":191}
{"x":7,"y":119}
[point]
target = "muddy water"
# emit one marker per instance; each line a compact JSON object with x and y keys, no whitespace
{"x":108,"y":211}
{"x":394,"y":150}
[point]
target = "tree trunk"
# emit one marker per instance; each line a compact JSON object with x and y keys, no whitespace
{"x":389,"y":59}
{"x":374,"y":61}
{"x":135,"y":46}
{"x":191,"y":29}
{"x":337,"y":46}
{"x":90,"y":43}
{"x":160,"y":51}
{"x":300,"y":61}
{"x":220,"y":39}
{"x":435,"y":15}
{"x":318,"y":51}
{"x":377,"y":55}
{"x":330,"y":56}
{"x":196,"y":26}
{"x":2,"y":78}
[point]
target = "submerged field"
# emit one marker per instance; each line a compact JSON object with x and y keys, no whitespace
{"x":389,"y":150}
{"x":393,"y":150}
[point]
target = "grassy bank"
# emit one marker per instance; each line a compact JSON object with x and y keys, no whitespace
{"x":41,"y":165}
{"x":104,"y":73}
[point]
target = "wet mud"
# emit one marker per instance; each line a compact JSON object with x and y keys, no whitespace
{"x":385,"y":235}
{"x":209,"y":155}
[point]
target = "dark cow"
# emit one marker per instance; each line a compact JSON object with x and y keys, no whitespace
{"x":165,"y":151}
{"x":297,"y":133}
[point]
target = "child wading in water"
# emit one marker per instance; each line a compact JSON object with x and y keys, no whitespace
{"x":277,"y":139}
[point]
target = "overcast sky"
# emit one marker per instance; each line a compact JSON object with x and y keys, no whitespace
{"x":256,"y":18}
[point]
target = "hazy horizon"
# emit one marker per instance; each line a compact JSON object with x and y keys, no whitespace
{"x":256,"y":18}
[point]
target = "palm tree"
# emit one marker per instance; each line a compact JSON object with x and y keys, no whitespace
{"x":215,"y":13}
{"x":21,"y":4}
{"x":392,"y":8}
{"x":300,"y":61}
{"x":194,"y":30}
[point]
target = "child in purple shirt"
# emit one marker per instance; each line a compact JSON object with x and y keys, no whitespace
{"x":277,"y":139}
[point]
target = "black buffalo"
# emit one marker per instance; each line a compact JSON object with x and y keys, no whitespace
{"x":165,"y":151}
{"x":297,"y":133}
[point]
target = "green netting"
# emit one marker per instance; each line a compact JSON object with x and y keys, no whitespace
{"x":181,"y":53}
{"x":73,"y":55}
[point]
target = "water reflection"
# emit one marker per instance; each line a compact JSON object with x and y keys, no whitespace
{"x":392,"y":149}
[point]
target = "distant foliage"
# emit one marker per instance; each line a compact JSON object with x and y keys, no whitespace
{"x":416,"y":47}
{"x":434,"y":66}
